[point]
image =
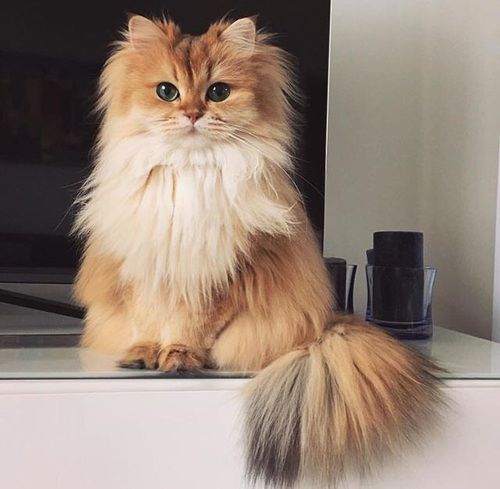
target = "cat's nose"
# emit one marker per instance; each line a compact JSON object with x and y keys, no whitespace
{"x":194,"y":115}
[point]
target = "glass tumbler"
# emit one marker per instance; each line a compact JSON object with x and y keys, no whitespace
{"x":400,"y":300}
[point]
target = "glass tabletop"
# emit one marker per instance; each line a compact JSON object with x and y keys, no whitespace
{"x":463,"y":356}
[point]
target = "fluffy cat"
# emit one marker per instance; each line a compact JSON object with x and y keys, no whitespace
{"x":199,"y":254}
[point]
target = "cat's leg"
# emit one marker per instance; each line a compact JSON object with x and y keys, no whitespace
{"x":253,"y":340}
{"x":145,"y":342}
{"x":107,"y":329}
{"x":288,"y":304}
{"x":107,"y":326}
{"x":168,"y":358}
{"x":186,"y":344}
{"x":183,"y":342}
{"x":181,"y":357}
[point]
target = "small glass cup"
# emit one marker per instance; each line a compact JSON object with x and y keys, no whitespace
{"x":400,"y":300}
{"x":342,"y":277}
{"x":349,"y":287}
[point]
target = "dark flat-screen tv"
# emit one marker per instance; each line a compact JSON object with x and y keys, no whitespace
{"x":51,"y":54}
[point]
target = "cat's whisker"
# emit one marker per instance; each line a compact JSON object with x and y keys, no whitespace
{"x":289,"y":176}
{"x":266,"y":138}
{"x":291,"y":157}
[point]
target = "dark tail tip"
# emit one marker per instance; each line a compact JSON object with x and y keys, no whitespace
{"x":272,"y":424}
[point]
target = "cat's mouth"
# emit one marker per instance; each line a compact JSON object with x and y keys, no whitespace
{"x":202,"y":131}
{"x":193,"y":132}
{"x":193,"y":137}
{"x":196,"y":131}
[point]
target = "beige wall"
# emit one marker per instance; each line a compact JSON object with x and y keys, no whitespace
{"x":414,"y":121}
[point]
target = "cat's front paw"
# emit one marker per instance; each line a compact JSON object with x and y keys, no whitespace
{"x":176,"y":358}
{"x":142,"y":355}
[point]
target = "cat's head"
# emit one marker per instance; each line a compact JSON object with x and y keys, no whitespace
{"x":229,"y":84}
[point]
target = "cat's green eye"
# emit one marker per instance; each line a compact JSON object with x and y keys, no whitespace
{"x":218,"y":92}
{"x":167,"y":91}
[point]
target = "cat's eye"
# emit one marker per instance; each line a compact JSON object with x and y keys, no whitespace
{"x":218,"y":92}
{"x":167,"y":91}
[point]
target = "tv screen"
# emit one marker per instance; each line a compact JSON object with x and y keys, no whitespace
{"x":51,"y":54}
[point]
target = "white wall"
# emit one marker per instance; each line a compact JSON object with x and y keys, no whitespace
{"x":373,"y":126}
{"x":495,"y":336}
{"x":460,"y":130}
{"x":414,"y":120}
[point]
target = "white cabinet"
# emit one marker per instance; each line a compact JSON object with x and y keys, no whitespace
{"x":165,"y":433}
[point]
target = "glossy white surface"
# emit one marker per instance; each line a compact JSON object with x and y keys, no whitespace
{"x":70,"y":419}
{"x":462,"y":355}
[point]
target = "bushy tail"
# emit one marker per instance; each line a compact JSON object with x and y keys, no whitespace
{"x":338,"y":406}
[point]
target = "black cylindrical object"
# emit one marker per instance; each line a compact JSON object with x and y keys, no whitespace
{"x":398,"y":278}
{"x":351,"y":277}
{"x":337,"y":269}
{"x":403,"y":249}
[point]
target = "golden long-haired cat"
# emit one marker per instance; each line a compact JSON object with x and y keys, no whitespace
{"x":199,"y":254}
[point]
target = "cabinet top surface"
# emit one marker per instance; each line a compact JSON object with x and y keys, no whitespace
{"x":463,"y":356}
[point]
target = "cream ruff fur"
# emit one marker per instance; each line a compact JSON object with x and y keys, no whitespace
{"x":181,"y":217}
{"x":198,"y":253}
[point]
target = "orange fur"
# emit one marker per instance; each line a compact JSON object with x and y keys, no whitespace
{"x":199,"y":253}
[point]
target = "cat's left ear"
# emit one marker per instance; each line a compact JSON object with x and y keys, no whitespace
{"x":242,"y":33}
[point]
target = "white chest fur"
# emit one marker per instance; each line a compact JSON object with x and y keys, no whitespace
{"x":179,"y":217}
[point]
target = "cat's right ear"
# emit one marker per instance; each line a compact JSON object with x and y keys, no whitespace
{"x":141,"y":31}
{"x":242,"y":34}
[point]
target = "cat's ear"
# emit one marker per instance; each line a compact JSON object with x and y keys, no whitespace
{"x":142,"y":31}
{"x":242,"y":34}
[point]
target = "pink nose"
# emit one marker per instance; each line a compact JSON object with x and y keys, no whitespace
{"x":194,"y":115}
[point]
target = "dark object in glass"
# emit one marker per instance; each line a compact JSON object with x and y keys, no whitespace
{"x":398,"y":284}
{"x":342,"y":277}
{"x":400,"y":300}
{"x":398,"y":249}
